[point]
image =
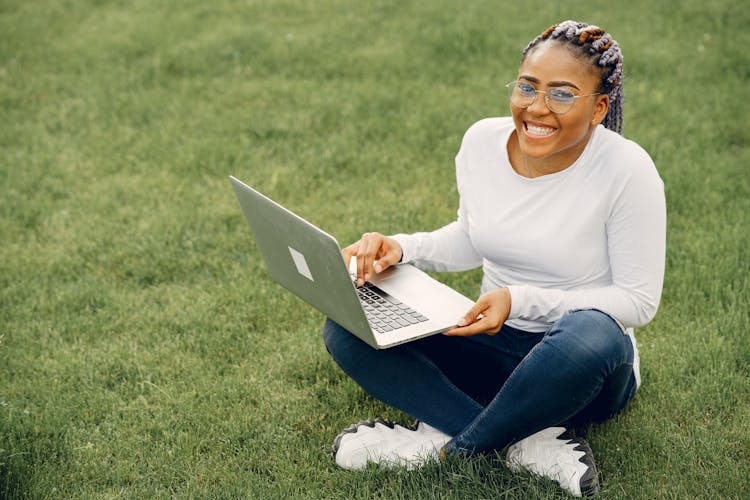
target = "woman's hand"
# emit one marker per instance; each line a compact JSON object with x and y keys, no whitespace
{"x":488,"y":315}
{"x":374,"y":252}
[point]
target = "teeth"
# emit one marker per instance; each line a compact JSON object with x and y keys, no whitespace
{"x":534,"y":130}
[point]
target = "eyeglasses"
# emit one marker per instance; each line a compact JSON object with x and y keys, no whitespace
{"x":558,"y":100}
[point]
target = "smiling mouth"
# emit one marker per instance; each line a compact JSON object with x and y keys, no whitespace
{"x":538,"y":131}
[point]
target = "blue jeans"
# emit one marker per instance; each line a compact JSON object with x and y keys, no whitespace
{"x":489,"y":391}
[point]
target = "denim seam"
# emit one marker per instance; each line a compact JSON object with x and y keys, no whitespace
{"x":617,"y":321}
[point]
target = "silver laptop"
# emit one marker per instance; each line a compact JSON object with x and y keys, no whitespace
{"x":396,"y":306}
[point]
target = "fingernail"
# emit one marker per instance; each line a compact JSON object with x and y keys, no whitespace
{"x":377,"y":268}
{"x":461,"y":322}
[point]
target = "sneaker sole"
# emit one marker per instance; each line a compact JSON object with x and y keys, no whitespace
{"x":590,"y":480}
{"x":352,"y":429}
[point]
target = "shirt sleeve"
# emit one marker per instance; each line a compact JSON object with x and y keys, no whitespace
{"x":446,"y":249}
{"x":636,"y":240}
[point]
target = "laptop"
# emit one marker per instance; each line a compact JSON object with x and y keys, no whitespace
{"x":396,"y":306}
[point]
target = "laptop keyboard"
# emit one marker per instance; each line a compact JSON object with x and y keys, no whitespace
{"x":384,"y":312}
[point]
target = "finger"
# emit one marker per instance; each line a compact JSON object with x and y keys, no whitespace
{"x":471,"y":315}
{"x":386,"y":260}
{"x":482,"y":325}
{"x":361,"y":259}
{"x":349,"y":252}
{"x":394,"y":254}
{"x":368,"y":252}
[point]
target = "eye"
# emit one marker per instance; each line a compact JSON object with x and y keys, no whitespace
{"x":526,"y":88}
{"x":561,"y":95}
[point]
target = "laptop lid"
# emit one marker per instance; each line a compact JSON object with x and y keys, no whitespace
{"x":303,"y":258}
{"x":308,"y":261}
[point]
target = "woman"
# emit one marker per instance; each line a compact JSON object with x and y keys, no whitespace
{"x":567,"y":219}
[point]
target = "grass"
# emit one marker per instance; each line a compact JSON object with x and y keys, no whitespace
{"x":145,"y":352}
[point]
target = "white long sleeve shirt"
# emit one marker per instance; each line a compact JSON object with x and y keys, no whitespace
{"x":590,"y":236}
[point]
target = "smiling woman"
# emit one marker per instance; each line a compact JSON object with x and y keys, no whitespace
{"x":567,"y":219}
{"x":550,"y":137}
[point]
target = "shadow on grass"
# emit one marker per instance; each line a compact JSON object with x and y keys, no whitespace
{"x":25,"y":448}
{"x":458,"y":478}
{"x":14,"y":476}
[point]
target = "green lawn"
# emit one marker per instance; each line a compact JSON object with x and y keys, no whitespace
{"x":144,"y":350}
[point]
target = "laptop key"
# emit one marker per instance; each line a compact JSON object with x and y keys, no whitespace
{"x":384,"y":312}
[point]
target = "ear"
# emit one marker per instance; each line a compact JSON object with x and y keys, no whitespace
{"x":600,"y":109}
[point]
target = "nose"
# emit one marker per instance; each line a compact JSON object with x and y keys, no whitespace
{"x":539,"y":106}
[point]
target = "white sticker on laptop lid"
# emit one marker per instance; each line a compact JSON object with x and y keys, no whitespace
{"x":301,"y":263}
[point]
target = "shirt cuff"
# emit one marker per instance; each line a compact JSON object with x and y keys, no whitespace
{"x":406,"y":243}
{"x":516,"y":300}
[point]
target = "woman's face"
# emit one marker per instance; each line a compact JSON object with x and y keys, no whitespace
{"x":558,"y":139}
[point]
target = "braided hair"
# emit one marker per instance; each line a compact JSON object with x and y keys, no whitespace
{"x":604,"y":54}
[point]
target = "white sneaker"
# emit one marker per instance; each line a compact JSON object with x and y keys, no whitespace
{"x":382,"y":442}
{"x":558,"y":455}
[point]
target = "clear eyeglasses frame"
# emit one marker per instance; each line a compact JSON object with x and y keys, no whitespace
{"x":558,"y":100}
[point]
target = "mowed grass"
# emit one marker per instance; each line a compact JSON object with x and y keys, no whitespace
{"x":144,"y":350}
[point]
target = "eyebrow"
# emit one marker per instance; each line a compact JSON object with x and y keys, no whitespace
{"x":556,"y":83}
